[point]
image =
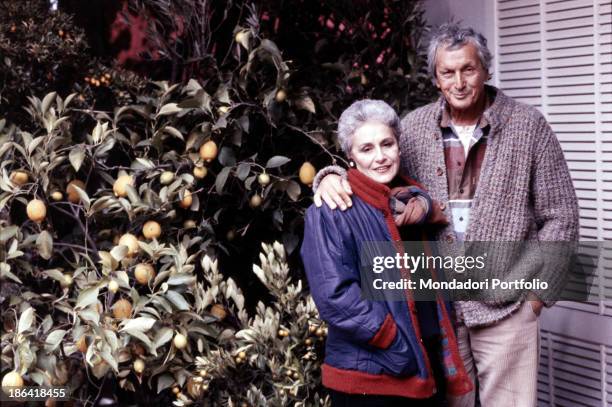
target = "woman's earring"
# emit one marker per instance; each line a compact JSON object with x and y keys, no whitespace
{"x":352,"y":163}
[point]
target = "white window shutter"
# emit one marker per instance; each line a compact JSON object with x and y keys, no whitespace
{"x":557,"y":56}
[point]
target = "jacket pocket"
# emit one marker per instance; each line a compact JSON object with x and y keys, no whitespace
{"x":397,"y":360}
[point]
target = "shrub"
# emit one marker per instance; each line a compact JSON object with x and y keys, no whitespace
{"x":213,"y":165}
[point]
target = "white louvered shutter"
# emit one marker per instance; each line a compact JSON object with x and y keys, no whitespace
{"x":557,"y":56}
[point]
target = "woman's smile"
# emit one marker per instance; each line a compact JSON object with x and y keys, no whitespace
{"x":375,"y":152}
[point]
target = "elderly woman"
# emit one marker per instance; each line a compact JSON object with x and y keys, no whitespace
{"x":378,"y":352}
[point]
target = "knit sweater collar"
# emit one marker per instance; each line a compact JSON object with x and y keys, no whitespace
{"x":497,"y":113}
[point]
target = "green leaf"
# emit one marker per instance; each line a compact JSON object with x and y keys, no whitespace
{"x":90,"y":315}
{"x":195,"y":138}
{"x":110,"y":360}
{"x":178,"y":300}
{"x":164,"y":381}
{"x":169,"y":109}
{"x":34,"y":143}
{"x":25,"y":320}
{"x":222,"y":95}
{"x":119,"y":252}
{"x":221,"y":179}
{"x":44,"y":243}
{"x":277,"y":161}
{"x":305,"y":103}
{"x":270,"y":47}
{"x":123,"y":279}
{"x":163,"y":336}
{"x":174,"y":132}
{"x":142,"y":164}
{"x":227,"y":157}
{"x":87,"y":297}
{"x":54,"y":339}
{"x":69,"y":99}
{"x":55,"y":274}
{"x":141,"y":324}
{"x":76,"y":156}
{"x":182,"y":278}
{"x":132,"y":194}
{"x":46,"y":102}
{"x":5,"y":272}
{"x":293,"y":190}
{"x":7,"y":232}
{"x":107,"y":260}
{"x":84,"y":197}
{"x":144,"y":338}
{"x":243,"y":171}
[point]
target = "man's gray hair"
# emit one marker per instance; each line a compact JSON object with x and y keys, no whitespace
{"x":361,"y":112}
{"x":452,"y":36}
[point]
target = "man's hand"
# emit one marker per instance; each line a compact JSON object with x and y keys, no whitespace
{"x":415,"y":211}
{"x":535,"y":303}
{"x":335,"y":191}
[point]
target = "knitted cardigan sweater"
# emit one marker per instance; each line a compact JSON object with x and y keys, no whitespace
{"x":524,"y":191}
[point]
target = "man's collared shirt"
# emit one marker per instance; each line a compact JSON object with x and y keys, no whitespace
{"x":462,"y":169}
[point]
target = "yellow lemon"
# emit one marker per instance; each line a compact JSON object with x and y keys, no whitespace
{"x":139,"y":366}
{"x":200,"y":172}
{"x":281,"y":95}
{"x":143,"y":273}
{"x":82,"y":344}
{"x":307,"y":173}
{"x":113,"y":286}
{"x":185,"y":203}
{"x":189,"y":224}
{"x":122,"y":309}
{"x":166,"y":177}
{"x":73,"y":195}
{"x":19,"y":177}
{"x":255,"y":201}
{"x":37,"y":211}
{"x":218,"y":311}
{"x":151,"y":230}
{"x":66,"y":281}
{"x":240,"y":36}
{"x":263,"y":179}
{"x":11,"y":380}
{"x":119,"y":187}
{"x":208,"y":151}
{"x":131,"y":242}
{"x":180,"y":341}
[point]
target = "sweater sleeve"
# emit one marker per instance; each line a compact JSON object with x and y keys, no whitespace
{"x":330,"y":260}
{"x":554,"y":198}
{"x":555,"y":211}
{"x":415,"y":188}
{"x":324,"y":172}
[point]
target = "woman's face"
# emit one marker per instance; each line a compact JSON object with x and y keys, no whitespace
{"x":375,"y":152}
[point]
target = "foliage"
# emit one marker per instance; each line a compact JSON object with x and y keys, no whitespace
{"x":275,"y":357}
{"x":43,"y":51}
{"x":77,"y":313}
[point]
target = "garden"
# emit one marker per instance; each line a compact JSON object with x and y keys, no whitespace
{"x":156,"y":161}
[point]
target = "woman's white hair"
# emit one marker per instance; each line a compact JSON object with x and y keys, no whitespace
{"x":361,"y":112}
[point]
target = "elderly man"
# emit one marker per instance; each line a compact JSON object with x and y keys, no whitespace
{"x":498,"y":172}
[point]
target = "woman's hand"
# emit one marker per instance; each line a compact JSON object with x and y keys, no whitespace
{"x":335,"y":191}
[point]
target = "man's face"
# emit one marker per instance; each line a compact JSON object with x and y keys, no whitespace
{"x":460,"y":76}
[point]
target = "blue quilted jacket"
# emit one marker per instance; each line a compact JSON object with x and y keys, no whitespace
{"x":373,"y":347}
